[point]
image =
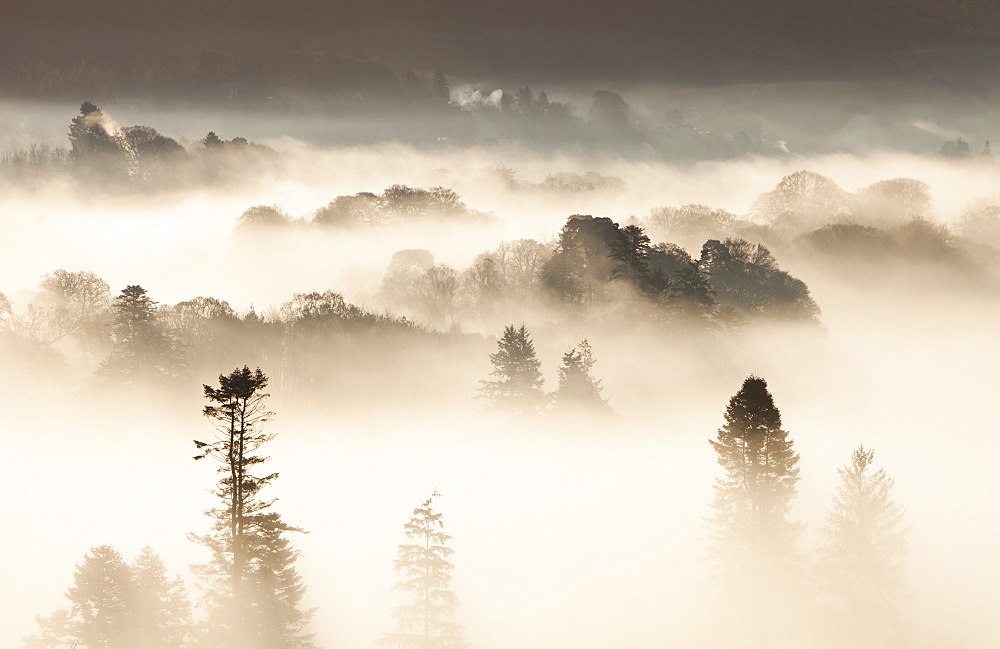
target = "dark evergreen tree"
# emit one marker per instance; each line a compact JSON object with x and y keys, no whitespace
{"x":754,"y":498}
{"x":630,"y":253}
{"x":254,"y":589}
{"x":754,"y":540}
{"x":862,"y":560}
{"x":518,"y":384}
{"x":428,"y":622}
{"x":142,"y":347}
{"x":578,"y":390}
{"x":93,"y":148}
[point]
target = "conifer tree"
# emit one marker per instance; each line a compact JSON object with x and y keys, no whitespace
{"x":518,"y":386}
{"x":754,"y":542}
{"x":578,"y":389}
{"x":143,"y":348}
{"x":423,"y":561}
{"x":160,"y":604}
{"x":862,"y":560}
{"x":753,"y":500}
{"x":254,"y":589}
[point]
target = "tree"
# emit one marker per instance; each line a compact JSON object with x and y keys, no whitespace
{"x":609,"y":110}
{"x":862,"y":560}
{"x":66,"y":304}
{"x":802,"y":199}
{"x":101,"y":611}
{"x":631,"y":256}
{"x":581,"y":265}
{"x":264,"y":219}
{"x":578,"y":389}
{"x":92,"y":142}
{"x":518,"y":387}
{"x":146,"y":152}
{"x":254,"y":589}
{"x":754,"y":498}
{"x":754,"y":541}
{"x":423,"y":561}
{"x":142,"y":345}
{"x":892,"y":202}
{"x":160,"y":605}
{"x":747,"y":277}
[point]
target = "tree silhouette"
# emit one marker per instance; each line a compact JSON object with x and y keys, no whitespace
{"x":518,"y":387}
{"x":578,"y":389}
{"x":142,"y":345}
{"x":254,"y":589}
{"x":753,"y":500}
{"x":423,"y":561}
{"x":754,"y":542}
{"x":862,"y":560}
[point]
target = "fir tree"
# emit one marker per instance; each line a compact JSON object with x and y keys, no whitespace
{"x":578,"y":389}
{"x":754,"y":544}
{"x":518,"y":387}
{"x":753,"y":500}
{"x":143,"y":348}
{"x":254,"y":589}
{"x":101,"y":594}
{"x":423,"y":560}
{"x":862,"y":562}
{"x":160,"y":604}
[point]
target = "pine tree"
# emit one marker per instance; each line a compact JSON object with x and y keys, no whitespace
{"x":143,"y":348}
{"x":753,"y":500}
{"x":578,"y":390}
{"x":754,"y":544}
{"x":100,"y":596}
{"x":254,"y":589}
{"x":862,"y":560}
{"x":93,"y":149}
{"x":423,"y":561}
{"x":160,"y":605}
{"x":518,"y":387}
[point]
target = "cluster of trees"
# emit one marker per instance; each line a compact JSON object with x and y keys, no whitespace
{"x":856,"y":588}
{"x":396,"y":206}
{"x":103,"y":154}
{"x":596,"y":265}
{"x":878,"y":227}
{"x":252,"y":590}
{"x":517,"y":384}
{"x":72,"y":327}
{"x":116,"y":604}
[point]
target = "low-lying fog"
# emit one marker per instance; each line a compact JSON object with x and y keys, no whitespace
{"x":565,"y":535}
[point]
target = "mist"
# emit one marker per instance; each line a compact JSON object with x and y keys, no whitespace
{"x":345,"y":255}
